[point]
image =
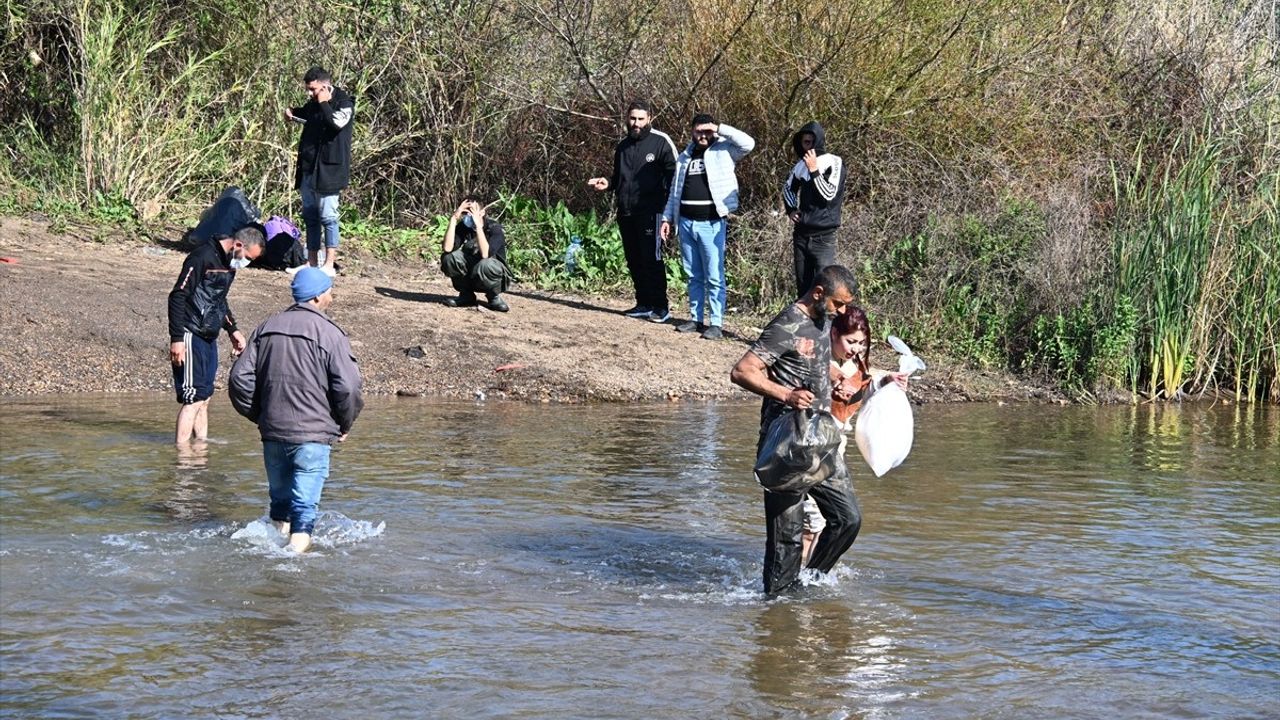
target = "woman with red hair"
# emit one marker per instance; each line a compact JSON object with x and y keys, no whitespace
{"x":829,"y":532}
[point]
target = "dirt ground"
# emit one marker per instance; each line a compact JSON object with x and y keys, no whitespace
{"x":83,"y":310}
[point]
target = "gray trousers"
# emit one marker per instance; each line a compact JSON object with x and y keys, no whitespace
{"x":473,"y":275}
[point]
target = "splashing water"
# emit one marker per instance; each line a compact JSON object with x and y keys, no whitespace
{"x":333,"y":530}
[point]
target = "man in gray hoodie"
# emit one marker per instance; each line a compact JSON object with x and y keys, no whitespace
{"x":298,"y":381}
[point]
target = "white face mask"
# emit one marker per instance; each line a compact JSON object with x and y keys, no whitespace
{"x":239,"y":263}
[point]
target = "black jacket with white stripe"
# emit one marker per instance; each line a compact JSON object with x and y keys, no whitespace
{"x":818,"y":196}
{"x":642,"y":171}
{"x":325,"y":146}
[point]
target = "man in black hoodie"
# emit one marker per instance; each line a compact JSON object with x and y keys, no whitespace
{"x":324,"y":161}
{"x":813,"y":194}
{"x":643,"y":163}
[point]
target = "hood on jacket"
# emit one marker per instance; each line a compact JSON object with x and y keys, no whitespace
{"x":819,"y":138}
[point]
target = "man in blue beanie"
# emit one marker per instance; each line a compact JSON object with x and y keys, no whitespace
{"x":298,"y":381}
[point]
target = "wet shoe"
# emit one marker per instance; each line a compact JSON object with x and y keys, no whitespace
{"x":660,"y":316}
{"x":638,"y":311}
{"x":712,"y":333}
{"x":691,"y":326}
{"x":497,"y":304}
{"x":464,"y":300}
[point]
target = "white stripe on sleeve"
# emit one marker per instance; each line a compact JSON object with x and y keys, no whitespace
{"x":827,"y":187}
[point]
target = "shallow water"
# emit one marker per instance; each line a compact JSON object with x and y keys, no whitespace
{"x":504,"y":560}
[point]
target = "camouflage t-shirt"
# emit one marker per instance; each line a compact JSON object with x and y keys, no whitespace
{"x":797,"y":350}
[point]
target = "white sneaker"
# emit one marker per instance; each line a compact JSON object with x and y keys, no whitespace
{"x":328,"y":270}
{"x":294,"y":270}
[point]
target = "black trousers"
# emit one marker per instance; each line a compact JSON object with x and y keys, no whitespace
{"x":643,"y":250}
{"x":784,"y":520}
{"x":812,"y":250}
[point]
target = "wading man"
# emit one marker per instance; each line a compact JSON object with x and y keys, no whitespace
{"x":324,"y":161}
{"x":790,"y":367}
{"x":643,"y":163}
{"x":197,"y":312}
{"x":298,"y":381}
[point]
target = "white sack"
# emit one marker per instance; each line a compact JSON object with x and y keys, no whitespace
{"x":885,"y":427}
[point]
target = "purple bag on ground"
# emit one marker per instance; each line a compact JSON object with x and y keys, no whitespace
{"x":276,"y":225}
{"x":283,"y":249}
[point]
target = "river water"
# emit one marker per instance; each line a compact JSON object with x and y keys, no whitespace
{"x":505,"y":560}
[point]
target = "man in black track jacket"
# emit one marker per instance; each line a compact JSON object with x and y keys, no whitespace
{"x":324,"y":161}
{"x":197,"y":312}
{"x":643,"y":163}
{"x":813,"y":194}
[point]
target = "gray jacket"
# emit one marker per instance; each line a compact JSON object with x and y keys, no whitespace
{"x":297,"y":378}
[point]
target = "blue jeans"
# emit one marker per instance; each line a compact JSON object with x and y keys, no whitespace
{"x":295,"y":476}
{"x":702,"y":251}
{"x":319,"y":212}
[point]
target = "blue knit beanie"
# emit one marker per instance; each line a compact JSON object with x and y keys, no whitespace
{"x":310,"y":282}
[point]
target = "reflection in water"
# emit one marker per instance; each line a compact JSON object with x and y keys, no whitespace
{"x":187,"y":493}
{"x":193,"y":456}
{"x":604,"y":561}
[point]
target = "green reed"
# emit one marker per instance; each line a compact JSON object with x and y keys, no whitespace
{"x":1196,"y":254}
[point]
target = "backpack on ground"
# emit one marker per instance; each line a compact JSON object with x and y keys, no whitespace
{"x":283,"y":249}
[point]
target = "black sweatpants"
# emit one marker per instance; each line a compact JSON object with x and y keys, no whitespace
{"x":643,"y":250}
{"x":784,"y":519}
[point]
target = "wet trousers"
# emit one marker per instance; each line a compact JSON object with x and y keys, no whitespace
{"x":784,"y":528}
{"x":295,"y":478}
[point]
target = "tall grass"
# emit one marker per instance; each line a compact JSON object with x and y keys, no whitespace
{"x":1198,"y":256}
{"x":158,"y":121}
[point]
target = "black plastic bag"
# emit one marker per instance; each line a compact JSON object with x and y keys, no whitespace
{"x":230,"y":212}
{"x":800,"y":450}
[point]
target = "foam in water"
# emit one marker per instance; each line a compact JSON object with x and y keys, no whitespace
{"x":333,"y":530}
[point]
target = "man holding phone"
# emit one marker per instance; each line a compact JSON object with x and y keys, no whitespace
{"x":324,"y":161}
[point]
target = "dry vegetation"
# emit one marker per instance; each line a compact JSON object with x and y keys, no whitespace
{"x":1083,"y":191}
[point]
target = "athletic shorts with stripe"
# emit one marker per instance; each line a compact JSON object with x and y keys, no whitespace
{"x":193,"y":379}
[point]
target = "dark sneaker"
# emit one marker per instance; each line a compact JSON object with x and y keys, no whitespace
{"x":712,"y":333}
{"x":463,"y":300}
{"x":691,"y":326}
{"x":638,"y":311}
{"x":660,"y":316}
{"x":497,"y":304}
